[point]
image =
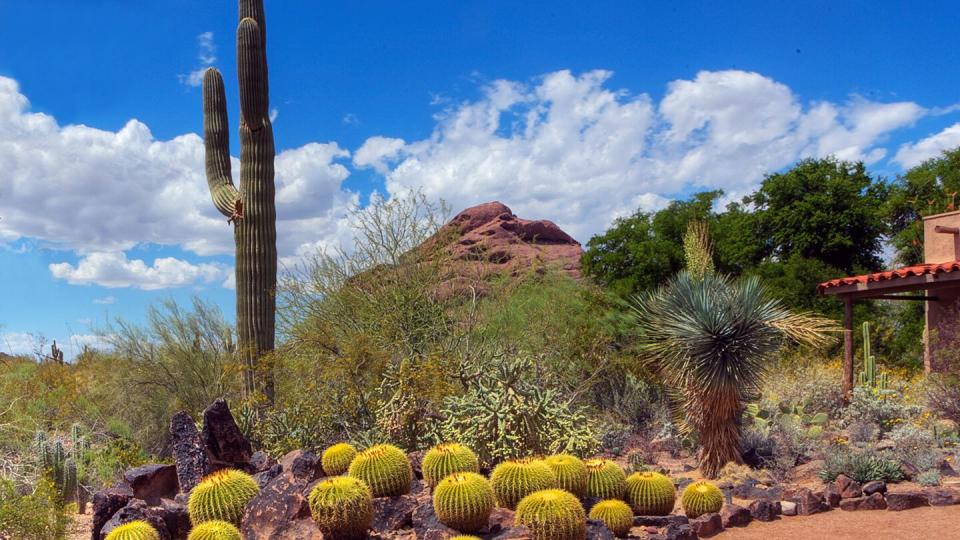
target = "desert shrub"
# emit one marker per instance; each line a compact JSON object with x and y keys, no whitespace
{"x":943,"y":396}
{"x":507,"y":412}
{"x":284,"y":428}
{"x":811,"y":382}
{"x":32,"y":514}
{"x":915,"y":445}
{"x":928,"y":478}
{"x":862,"y":466}
{"x":863,"y":432}
{"x":884,"y":408}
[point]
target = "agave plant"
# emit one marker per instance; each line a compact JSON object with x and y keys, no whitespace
{"x":711,"y":337}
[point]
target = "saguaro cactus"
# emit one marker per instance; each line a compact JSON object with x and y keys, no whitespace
{"x":250,"y":209}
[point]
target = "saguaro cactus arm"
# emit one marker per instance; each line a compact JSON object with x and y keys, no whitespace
{"x":216,"y":137}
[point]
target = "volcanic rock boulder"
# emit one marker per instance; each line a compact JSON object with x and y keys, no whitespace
{"x":225,"y":444}
{"x":152,"y":482}
{"x":106,"y":503}
{"x":281,"y":511}
{"x":188,"y":452}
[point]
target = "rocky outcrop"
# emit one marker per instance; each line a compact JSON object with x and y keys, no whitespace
{"x":106,"y":503}
{"x":764,"y":510}
{"x":222,"y":439}
{"x":906,"y":500}
{"x":280,"y":510}
{"x":153,"y":482}
{"x":707,"y":525}
{"x":870,"y":502}
{"x":188,"y":452}
{"x":735,"y":516}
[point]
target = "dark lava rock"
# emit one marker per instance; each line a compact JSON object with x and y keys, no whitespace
{"x":876,"y":486}
{"x":188,"y":452}
{"x":707,"y":525}
{"x":260,"y":461}
{"x":394,"y":513}
{"x":679,"y":532}
{"x":225,"y":444}
{"x":908,"y":470}
{"x":598,"y":530}
{"x":279,"y":510}
{"x":502,"y":526}
{"x":831,"y":495}
{"x":133,"y":511}
{"x":302,"y":465}
{"x":106,"y":503}
{"x":735,"y":516}
{"x":807,"y":502}
{"x":848,"y":487}
{"x":945,"y":469}
{"x":870,"y":502}
{"x":943,"y":496}
{"x":416,"y":462}
{"x":753,"y":492}
{"x":764,"y":510}
{"x":175,"y":516}
{"x":906,"y":500}
{"x":263,"y":478}
{"x":153,"y":482}
{"x":660,"y":521}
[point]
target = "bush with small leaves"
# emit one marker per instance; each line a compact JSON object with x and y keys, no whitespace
{"x":860,"y":466}
{"x":605,"y":479}
{"x":571,"y":473}
{"x":701,"y":498}
{"x":514,"y":479}
{"x":552,"y":514}
{"x":385,"y":468}
{"x":342,"y":507}
{"x":445,"y":459}
{"x":615,"y":514}
{"x":135,"y":530}
{"x":651,"y":493}
{"x":336,"y":459}
{"x":215,"y":530}
{"x":928,"y":478}
{"x":463,"y":501}
{"x":222,"y":495}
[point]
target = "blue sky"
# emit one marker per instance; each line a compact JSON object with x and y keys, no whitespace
{"x":576,"y":112}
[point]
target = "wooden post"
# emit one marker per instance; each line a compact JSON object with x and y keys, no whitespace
{"x":847,"y":347}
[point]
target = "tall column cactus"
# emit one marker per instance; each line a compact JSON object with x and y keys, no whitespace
{"x":250,"y":209}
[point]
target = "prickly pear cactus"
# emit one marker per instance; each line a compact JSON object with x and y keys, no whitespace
{"x":385,"y":468}
{"x":605,"y":479}
{"x":445,"y":459}
{"x":615,"y":514}
{"x":223,"y":496}
{"x":135,"y":530}
{"x":463,"y":501}
{"x":552,"y":514}
{"x":342,"y":507}
{"x":215,"y":530}
{"x":571,"y":473}
{"x":651,"y":493}
{"x":336,"y":459}
{"x":701,"y":498}
{"x":514,"y":479}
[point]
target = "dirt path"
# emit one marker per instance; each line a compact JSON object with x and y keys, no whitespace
{"x":942,"y":522}
{"x":80,"y":528}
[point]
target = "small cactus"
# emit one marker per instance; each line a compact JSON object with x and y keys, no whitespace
{"x":571,"y":473}
{"x":615,"y":514}
{"x":552,"y":514}
{"x":605,"y":479}
{"x":701,"y":498}
{"x":135,"y":530}
{"x":215,"y":530}
{"x":342,"y":507}
{"x":336,"y":459}
{"x":445,"y":459}
{"x":651,"y":493}
{"x":514,"y":479}
{"x":222,"y":495}
{"x":463,"y":501}
{"x":385,"y":468}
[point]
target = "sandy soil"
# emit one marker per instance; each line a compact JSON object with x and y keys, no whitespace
{"x":81,"y":526}
{"x":919,"y":523}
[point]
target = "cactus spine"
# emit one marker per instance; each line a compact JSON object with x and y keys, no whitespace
{"x":571,"y":473}
{"x":445,"y":459}
{"x":221,"y":496}
{"x":651,"y":493}
{"x":385,"y":468}
{"x":465,"y":537}
{"x":463,"y":501}
{"x":135,"y":530}
{"x":251,"y":209}
{"x":336,"y":459}
{"x":514,"y":479}
{"x":215,"y":530}
{"x":342,"y":507}
{"x":605,"y":479}
{"x":615,"y":514}
{"x":869,"y":376}
{"x":701,"y":498}
{"x":552,"y":514}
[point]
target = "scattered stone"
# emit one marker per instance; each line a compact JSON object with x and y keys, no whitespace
{"x":276,"y":512}
{"x":875,"y":486}
{"x":660,"y":521}
{"x":302,"y":465}
{"x":945,"y":468}
{"x":106,"y":503}
{"x":153,"y":482}
{"x":906,"y":500}
{"x":260,"y":461}
{"x":848,"y":487}
{"x":597,"y":530}
{"x":500,"y":518}
{"x":394,"y":513}
{"x":943,"y":496}
{"x":807,"y":502}
{"x":263,"y":478}
{"x":175,"y":516}
{"x":870,"y":502}
{"x":133,"y":511}
{"x":831,"y":495}
{"x":743,"y":491}
{"x":682,"y":482}
{"x":908,"y":471}
{"x":764,"y":510}
{"x":707,"y":525}
{"x":225,"y":444}
{"x":672,"y":532}
{"x":188,"y":452}
{"x":733,"y":515}
{"x":416,"y":461}
{"x":788,"y":508}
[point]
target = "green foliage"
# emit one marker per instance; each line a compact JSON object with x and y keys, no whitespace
{"x":943,"y":395}
{"x":514,"y":479}
{"x":342,"y":507}
{"x":552,"y":514}
{"x":37,"y":515}
{"x":570,"y":471}
{"x":336,"y":459}
{"x":464,"y":501}
{"x":870,"y":376}
{"x":223,"y":496}
{"x":861,"y":466}
{"x":605,"y":479}
{"x":134,"y":530}
{"x":915,"y":445}
{"x":928,"y":478}
{"x":445,"y":459}
{"x":650,"y":493}
{"x":701,"y":498}
{"x":615,"y":514}
{"x":507,"y":412}
{"x":385,"y":468}
{"x":793,"y":416}
{"x":215,"y":530}
{"x":884,"y":409}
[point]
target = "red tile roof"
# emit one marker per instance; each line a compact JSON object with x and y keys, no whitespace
{"x":907,"y":271}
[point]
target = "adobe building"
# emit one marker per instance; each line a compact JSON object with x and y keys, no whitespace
{"x":936,"y":282}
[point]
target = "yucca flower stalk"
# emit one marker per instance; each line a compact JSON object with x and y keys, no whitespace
{"x":711,"y":337}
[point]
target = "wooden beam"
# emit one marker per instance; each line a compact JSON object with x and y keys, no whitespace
{"x":847,"y":348}
{"x":920,"y":298}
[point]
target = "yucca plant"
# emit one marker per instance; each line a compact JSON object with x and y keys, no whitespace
{"x":711,"y":337}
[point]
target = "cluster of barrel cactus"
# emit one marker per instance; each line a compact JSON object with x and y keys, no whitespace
{"x":514,"y":479}
{"x":342,"y":507}
{"x":221,"y":496}
{"x":650,"y":493}
{"x":615,"y":514}
{"x":552,"y":514}
{"x":605,"y":479}
{"x":445,"y":459}
{"x":464,"y":501}
{"x":336,"y":459}
{"x":571,"y":473}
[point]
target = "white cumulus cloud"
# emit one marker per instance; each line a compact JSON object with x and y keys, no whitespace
{"x":113,"y":269}
{"x":912,"y":154}
{"x":206,"y":57}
